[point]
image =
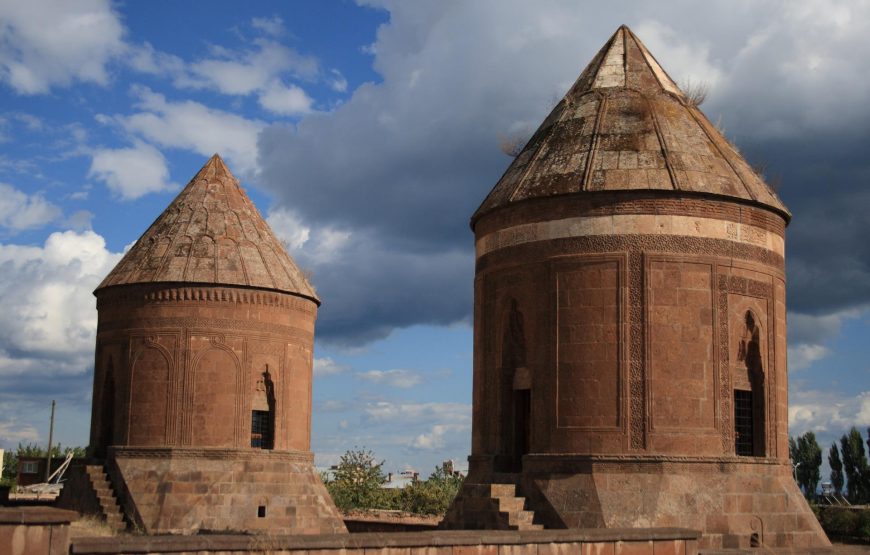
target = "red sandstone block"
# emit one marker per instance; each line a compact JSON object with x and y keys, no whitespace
{"x":668,"y":547}
{"x":527,"y":549}
{"x":475,"y":550}
{"x":598,"y":548}
{"x":559,"y":548}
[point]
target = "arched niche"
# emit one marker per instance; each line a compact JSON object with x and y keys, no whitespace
{"x":749,"y":400}
{"x":213,"y":407}
{"x":149,"y":397}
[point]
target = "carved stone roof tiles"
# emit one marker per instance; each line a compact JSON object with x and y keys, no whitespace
{"x":211,"y":233}
{"x":625,"y":125}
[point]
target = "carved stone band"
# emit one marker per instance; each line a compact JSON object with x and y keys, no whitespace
{"x":631,"y":224}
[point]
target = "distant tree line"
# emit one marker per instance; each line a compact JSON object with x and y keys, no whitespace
{"x":850,"y":472}
{"x":357,"y":484}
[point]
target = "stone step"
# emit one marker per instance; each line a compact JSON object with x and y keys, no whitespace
{"x":511,"y":504}
{"x":102,"y":487}
{"x":503,"y":490}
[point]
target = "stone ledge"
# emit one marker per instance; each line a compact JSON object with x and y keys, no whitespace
{"x":218,"y":453}
{"x":172,"y":544}
{"x":36,"y":515}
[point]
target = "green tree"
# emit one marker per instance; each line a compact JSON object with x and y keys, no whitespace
{"x":807,"y":455}
{"x":433,"y":496}
{"x":836,"y":468}
{"x":855,"y":466}
{"x":357,"y":480}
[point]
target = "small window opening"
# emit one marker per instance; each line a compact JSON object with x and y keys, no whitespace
{"x":261,"y":429}
{"x":261,"y":511}
{"x":263,"y":413}
{"x":743,"y":423}
{"x":754,"y":540}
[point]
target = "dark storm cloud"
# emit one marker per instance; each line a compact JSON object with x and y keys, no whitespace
{"x":400,"y":167}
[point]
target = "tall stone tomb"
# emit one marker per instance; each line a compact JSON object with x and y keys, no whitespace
{"x":202,"y":380}
{"x":630,"y":325}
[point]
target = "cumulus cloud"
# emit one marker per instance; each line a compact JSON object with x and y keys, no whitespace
{"x":827,"y":412}
{"x":287,"y":100}
{"x":131,"y":172}
{"x":436,"y":438}
{"x":404,"y":162}
{"x":194,"y":126}
{"x":399,"y":378}
{"x":433,"y":426}
{"x":49,"y":43}
{"x":49,"y":322}
{"x":20,"y":211}
{"x":328,"y":367}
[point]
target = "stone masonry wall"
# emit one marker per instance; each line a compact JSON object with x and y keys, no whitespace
{"x":548,"y":542}
{"x":189,"y":490}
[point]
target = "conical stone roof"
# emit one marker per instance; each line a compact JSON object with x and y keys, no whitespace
{"x":625,"y":125}
{"x":211,"y":233}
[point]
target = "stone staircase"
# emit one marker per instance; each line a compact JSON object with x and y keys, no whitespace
{"x":494,"y":506}
{"x":106,"y":496}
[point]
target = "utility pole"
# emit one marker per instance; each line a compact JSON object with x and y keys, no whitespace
{"x":50,"y":438}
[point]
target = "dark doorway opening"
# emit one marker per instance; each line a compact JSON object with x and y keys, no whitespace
{"x":743,"y":423}
{"x":522,"y":426}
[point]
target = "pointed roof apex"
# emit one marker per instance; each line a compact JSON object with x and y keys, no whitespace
{"x":214,"y":168}
{"x":625,"y":125}
{"x":211,"y":233}
{"x":624,"y":61}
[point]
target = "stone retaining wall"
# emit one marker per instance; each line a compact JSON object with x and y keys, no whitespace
{"x":35,"y":531}
{"x":658,"y":541}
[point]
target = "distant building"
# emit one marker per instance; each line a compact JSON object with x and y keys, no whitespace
{"x":31,"y":470}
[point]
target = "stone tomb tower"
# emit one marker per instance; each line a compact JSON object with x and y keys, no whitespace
{"x":629,"y":324}
{"x":202,"y":381}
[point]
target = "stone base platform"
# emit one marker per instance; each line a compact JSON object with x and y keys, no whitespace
{"x":735,"y":502}
{"x":185,"y":490}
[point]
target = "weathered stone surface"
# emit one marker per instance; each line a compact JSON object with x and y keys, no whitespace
{"x":625,"y":125}
{"x":202,"y":378}
{"x":546,"y":542}
{"x":211,"y":233}
{"x":630,"y":342}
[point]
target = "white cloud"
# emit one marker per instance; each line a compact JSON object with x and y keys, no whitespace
{"x":436,"y":438}
{"x":54,"y":42}
{"x":259,"y":71}
{"x":688,"y":59}
{"x":131,"y":172}
{"x":802,"y":355}
{"x":146,"y":59}
{"x":310,"y":246}
{"x":402,"y":379}
{"x":49,"y":322}
{"x":328,"y":367}
{"x":285,"y":100}
{"x":19,"y":211}
{"x":827,"y":412}
{"x":13,"y":432}
{"x":337,"y":81}
{"x":193,"y":126}
{"x":386,"y":411}
{"x":273,"y":26}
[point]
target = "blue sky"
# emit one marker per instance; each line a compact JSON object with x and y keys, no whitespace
{"x":368,"y":133}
